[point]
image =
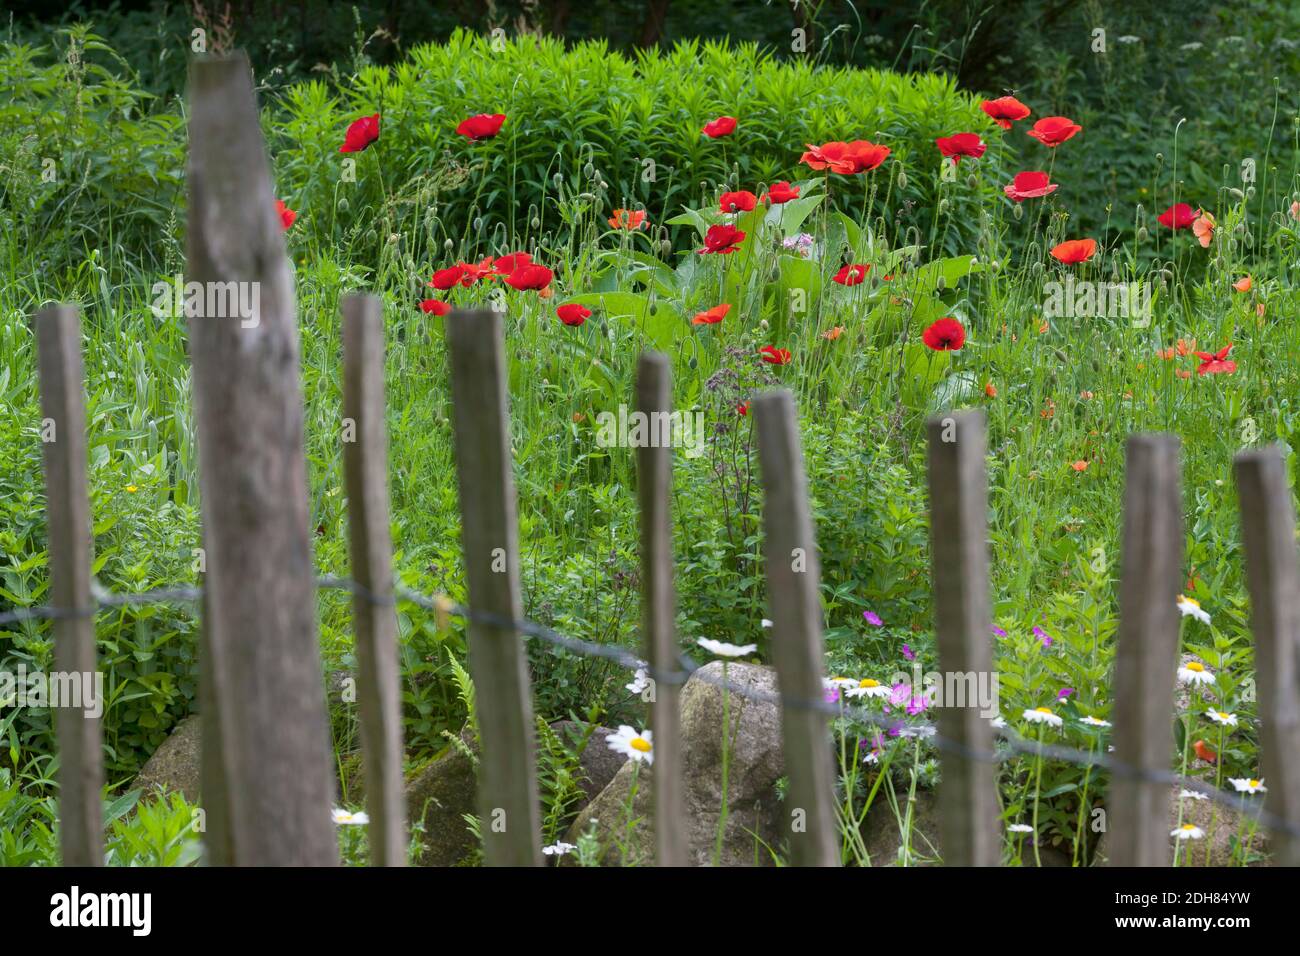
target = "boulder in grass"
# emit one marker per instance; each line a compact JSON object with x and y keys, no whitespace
{"x":174,"y":766}
{"x":754,"y":828}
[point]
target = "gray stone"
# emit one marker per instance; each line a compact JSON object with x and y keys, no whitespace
{"x":1220,"y":824}
{"x":174,"y":766}
{"x":755,"y":814}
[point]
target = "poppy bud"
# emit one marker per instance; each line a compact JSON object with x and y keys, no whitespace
{"x":1236,"y":193}
{"x":448,"y":244}
{"x":1018,"y":211}
{"x":694,"y":362}
{"x":343,"y":204}
{"x":902,"y":178}
{"x":972,"y":181}
{"x":1160,"y":157}
{"x":478,"y":223}
{"x":558,"y":180}
{"x":1142,"y":234}
{"x":588,"y":171}
{"x":372,"y":236}
{"x":763,"y":324}
{"x":589,"y":197}
{"x":940,"y":284}
{"x":667,"y":247}
{"x":943,"y":206}
{"x":602,"y":184}
{"x":995,"y":266}
{"x":1250,"y":192}
{"x":535,"y":223}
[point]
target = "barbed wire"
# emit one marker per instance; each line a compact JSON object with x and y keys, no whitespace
{"x":444,"y":607}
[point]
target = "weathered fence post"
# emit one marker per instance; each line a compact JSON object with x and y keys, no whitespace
{"x":365,"y":466}
{"x":267,"y":777}
{"x":67,"y":506}
{"x":1268,"y":535}
{"x":968,"y":804}
{"x":793,"y":582}
{"x":659,"y":610}
{"x":509,"y":814}
{"x":1146,"y":660}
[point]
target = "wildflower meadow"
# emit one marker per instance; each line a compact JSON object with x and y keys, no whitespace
{"x":510,"y":574}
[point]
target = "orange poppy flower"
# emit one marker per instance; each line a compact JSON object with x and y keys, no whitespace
{"x":1243,"y":284}
{"x":627,"y":219}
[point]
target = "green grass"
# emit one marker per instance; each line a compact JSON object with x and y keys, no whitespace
{"x":1068,"y":391}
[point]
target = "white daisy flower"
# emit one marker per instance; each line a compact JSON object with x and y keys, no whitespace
{"x":1042,"y":715}
{"x":871,"y":757}
{"x":628,"y":742}
{"x":345,"y":818}
{"x":1194,"y":672}
{"x":1129,"y":38}
{"x":998,"y":722}
{"x":867,"y":687}
{"x":1188,"y":831}
{"x":1222,"y":717}
{"x":1190,"y":607}
{"x":1092,"y":721}
{"x":1191,"y":46}
{"x":1192,"y":795}
{"x":559,"y":849}
{"x":1019,"y":828}
{"x":1248,"y":785}
{"x":831,"y":683}
{"x":766,"y":622}
{"x":723,"y":649}
{"x":917,"y":730}
{"x":640,"y":681}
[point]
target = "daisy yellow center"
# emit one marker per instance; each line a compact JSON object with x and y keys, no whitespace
{"x":1186,"y":600}
{"x":1043,"y":710}
{"x":868,"y":682}
{"x":1223,"y":716}
{"x":641,"y":744}
{"x":1194,"y":666}
{"x":1189,"y":826}
{"x":131,"y":488}
{"x":1253,"y":783}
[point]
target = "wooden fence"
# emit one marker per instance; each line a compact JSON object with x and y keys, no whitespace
{"x":267,"y":767}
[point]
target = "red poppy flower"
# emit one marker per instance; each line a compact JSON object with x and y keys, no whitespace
{"x":722,"y":239}
{"x":944,"y":335}
{"x":435,"y":307}
{"x":451,"y":277}
{"x":1005,"y":110}
{"x":573,"y":314}
{"x":722,"y":126}
{"x":1204,"y":752}
{"x":1054,"y":130}
{"x":482,"y":126}
{"x":1178,"y":216}
{"x":361,"y":133}
{"x":774,"y":356}
{"x":1073,"y":251}
{"x":627,"y":219}
{"x":859,"y":156}
{"x":781,"y":192}
{"x":960,"y":144}
{"x":711,"y":316}
{"x":851,"y":274}
{"x":741,"y":201}
{"x":1216,"y":363}
{"x":1029,"y":185}
{"x":742,"y":408}
{"x":505,"y":265}
{"x":530,"y":276}
{"x":287,"y":215}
